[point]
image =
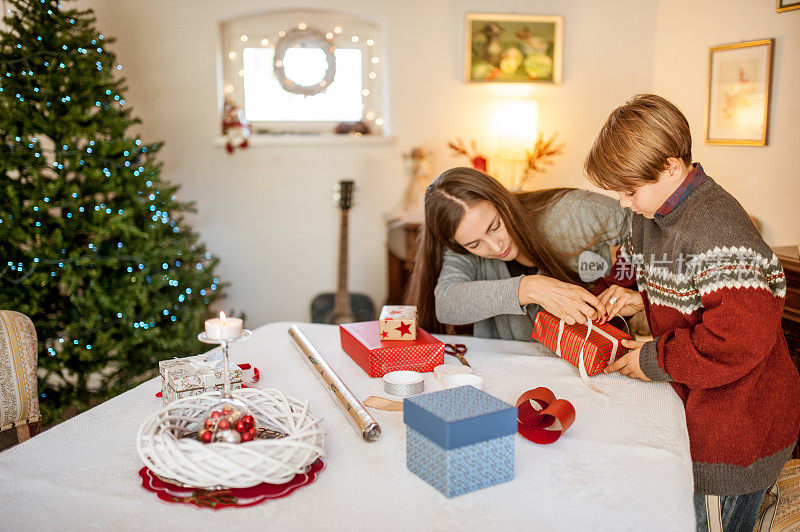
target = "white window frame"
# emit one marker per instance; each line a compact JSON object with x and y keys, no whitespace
{"x":270,"y":26}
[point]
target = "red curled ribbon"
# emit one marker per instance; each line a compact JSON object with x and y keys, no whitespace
{"x":541,"y":418}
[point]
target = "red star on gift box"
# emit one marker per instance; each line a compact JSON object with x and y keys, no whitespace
{"x":384,"y":334}
{"x":405,"y":328}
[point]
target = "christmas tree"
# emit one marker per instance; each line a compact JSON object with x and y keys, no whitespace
{"x":93,"y":243}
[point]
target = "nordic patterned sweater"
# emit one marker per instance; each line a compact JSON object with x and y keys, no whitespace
{"x":713,"y":292}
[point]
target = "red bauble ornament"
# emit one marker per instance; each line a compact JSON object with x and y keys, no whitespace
{"x":246,"y":437}
{"x":209,"y":422}
{"x":223,"y":424}
{"x":240,"y":426}
{"x":205,"y":436}
{"x":215,"y":413}
{"x":248,"y":420}
{"x":252,"y":432}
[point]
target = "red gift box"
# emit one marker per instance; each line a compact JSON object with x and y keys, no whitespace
{"x":378,"y":357}
{"x":598,"y":349}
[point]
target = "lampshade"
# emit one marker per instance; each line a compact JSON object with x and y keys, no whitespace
{"x":515,"y":124}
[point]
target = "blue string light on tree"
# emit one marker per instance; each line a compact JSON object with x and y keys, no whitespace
{"x":74,"y":177}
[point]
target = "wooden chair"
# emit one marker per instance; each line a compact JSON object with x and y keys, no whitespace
{"x":779,"y":510}
{"x":19,"y":402}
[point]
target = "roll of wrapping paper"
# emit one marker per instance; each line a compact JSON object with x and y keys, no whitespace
{"x":355,"y":411}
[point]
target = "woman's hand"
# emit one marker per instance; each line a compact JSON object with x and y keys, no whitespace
{"x":619,"y":300}
{"x":568,"y":302}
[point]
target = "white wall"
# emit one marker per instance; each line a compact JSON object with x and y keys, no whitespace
{"x":766,"y":180}
{"x":266,"y":211}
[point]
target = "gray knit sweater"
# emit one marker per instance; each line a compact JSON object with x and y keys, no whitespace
{"x":477,"y":290}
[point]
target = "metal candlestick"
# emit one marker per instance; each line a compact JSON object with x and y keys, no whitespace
{"x":203,"y":337}
{"x":232,"y":409}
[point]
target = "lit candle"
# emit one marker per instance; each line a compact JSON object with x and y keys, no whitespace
{"x":223,"y":328}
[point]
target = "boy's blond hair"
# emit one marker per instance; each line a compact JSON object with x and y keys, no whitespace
{"x":635,"y":142}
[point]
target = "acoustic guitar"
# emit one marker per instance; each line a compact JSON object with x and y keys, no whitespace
{"x":342,"y":306}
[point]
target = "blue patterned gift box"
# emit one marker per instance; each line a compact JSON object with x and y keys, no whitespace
{"x":460,"y":440}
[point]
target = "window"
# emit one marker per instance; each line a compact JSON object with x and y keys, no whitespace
{"x":305,"y":40}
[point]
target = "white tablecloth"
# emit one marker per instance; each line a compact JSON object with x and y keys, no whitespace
{"x":623,"y":465}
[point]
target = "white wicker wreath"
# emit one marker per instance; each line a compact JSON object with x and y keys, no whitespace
{"x":231,"y":465}
{"x":308,"y":38}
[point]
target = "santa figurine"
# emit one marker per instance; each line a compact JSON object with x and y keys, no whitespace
{"x":235,"y":127}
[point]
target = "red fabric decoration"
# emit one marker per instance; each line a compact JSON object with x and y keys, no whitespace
{"x":479,"y":163}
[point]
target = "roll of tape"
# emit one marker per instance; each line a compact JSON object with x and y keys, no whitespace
{"x":463,"y":379}
{"x":444,"y":370}
{"x":403,"y":383}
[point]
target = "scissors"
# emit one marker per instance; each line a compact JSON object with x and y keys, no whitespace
{"x":457,"y":350}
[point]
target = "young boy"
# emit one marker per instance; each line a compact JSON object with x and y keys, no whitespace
{"x":713,"y":292}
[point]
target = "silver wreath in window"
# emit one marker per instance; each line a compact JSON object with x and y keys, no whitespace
{"x":307,"y":38}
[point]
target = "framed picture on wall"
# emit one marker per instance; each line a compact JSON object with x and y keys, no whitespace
{"x":787,"y":5}
{"x":737,"y":96}
{"x":513,"y":48}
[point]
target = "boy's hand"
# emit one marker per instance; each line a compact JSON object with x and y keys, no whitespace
{"x":619,"y":300}
{"x":628,"y":364}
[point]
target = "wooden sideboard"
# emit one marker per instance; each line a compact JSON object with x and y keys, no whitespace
{"x":790,"y":260}
{"x":401,"y":245}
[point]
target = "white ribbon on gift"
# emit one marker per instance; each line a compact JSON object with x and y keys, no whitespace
{"x":581,"y":363}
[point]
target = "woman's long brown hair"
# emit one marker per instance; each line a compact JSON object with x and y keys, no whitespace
{"x":446,"y":200}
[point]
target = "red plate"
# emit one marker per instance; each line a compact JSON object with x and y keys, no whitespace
{"x":216,"y":499}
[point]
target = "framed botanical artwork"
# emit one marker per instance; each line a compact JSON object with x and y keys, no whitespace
{"x":787,"y":5}
{"x":737,"y":97}
{"x":513,"y":48}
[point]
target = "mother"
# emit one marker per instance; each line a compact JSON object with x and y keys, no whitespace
{"x":494,"y":258}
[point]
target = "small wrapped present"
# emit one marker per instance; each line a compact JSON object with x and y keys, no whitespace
{"x":460,"y":440}
{"x":182,"y":377}
{"x":378,"y":357}
{"x":398,"y":322}
{"x":603,"y":346}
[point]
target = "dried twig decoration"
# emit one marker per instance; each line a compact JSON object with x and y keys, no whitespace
{"x":542,"y":155}
{"x":477,"y":160}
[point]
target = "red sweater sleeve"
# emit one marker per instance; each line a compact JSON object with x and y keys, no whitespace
{"x":740,"y":311}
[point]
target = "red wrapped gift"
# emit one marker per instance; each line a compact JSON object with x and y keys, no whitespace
{"x":378,"y":357}
{"x":604,"y":341}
